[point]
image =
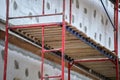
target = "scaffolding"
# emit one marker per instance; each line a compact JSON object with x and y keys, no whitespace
{"x":43,"y":25}
{"x":62,"y":49}
{"x":115,"y":28}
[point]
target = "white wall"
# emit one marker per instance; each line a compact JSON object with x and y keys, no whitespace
{"x":96,"y":27}
{"x":91,"y":25}
{"x":31,"y":63}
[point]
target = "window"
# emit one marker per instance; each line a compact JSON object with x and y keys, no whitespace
{"x":55,"y":10}
{"x":85,"y":10}
{"x":2,"y":54}
{"x":109,"y":42}
{"x":39,"y":74}
{"x":30,"y":14}
{"x":46,"y":77}
{"x":15,"y":6}
{"x":95,"y":35}
{"x":85,"y":29}
{"x":77,"y":4}
{"x":37,"y":19}
{"x":65,"y":16}
{"x":100,"y":37}
{"x":102,"y":19}
{"x":80,"y":25}
{"x":16,"y":64}
{"x":26,"y":72}
{"x":94,"y":13}
{"x":15,"y":78}
{"x":48,"y":5}
{"x":106,"y":23}
{"x":73,"y":18}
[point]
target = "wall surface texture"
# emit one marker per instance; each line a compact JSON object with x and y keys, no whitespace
{"x":21,"y":66}
{"x":87,"y":15}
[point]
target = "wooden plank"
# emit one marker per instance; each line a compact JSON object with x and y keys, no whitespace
{"x":85,"y":56}
{"x":29,"y":47}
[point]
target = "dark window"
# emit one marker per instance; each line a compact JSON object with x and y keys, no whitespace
{"x":30,"y":14}
{"x":55,"y":10}
{"x":2,"y":54}
{"x":26,"y":72}
{"x":73,"y":18}
{"x":15,"y":78}
{"x":102,"y":19}
{"x":15,"y":6}
{"x":48,"y":5}
{"x":46,"y":77}
{"x":80,"y":25}
{"x":106,"y":23}
{"x":85,"y":10}
{"x":65,"y":16}
{"x":39,"y":74}
{"x":109,"y":42}
{"x":77,"y":4}
{"x":16,"y":64}
{"x":95,"y":35}
{"x":94,"y":13}
{"x":100,"y":37}
{"x":37,"y":19}
{"x":85,"y":29}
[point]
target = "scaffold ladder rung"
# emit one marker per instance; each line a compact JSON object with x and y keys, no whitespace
{"x":52,"y":76}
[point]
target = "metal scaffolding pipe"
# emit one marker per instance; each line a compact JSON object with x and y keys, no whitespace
{"x":69,"y":67}
{"x":63,"y":38}
{"x":42,"y":63}
{"x":63,"y":41}
{"x":108,"y":15}
{"x":35,"y":25}
{"x":43,"y":15}
{"x":116,"y":37}
{"x":6,"y":42}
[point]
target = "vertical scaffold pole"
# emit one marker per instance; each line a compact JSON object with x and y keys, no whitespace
{"x":42,"y":63}
{"x":6,"y":41}
{"x":70,"y":21}
{"x":63,"y":41}
{"x":116,"y":37}
{"x":69,"y":67}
